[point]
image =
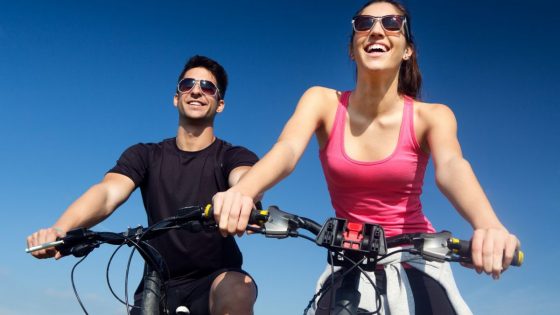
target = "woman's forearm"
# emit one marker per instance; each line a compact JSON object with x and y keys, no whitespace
{"x":278,"y":163}
{"x":457,"y":181}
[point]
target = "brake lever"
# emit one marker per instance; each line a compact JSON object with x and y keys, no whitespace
{"x":256,"y":229}
{"x":80,"y":250}
{"x":78,"y":242}
{"x":433,"y":246}
{"x":280,"y":224}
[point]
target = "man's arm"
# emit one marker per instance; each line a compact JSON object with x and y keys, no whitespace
{"x":92,"y":207}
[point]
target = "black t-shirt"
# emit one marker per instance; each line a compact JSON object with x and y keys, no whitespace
{"x":170,"y":179}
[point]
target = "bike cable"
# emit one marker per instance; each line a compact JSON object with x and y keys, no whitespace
{"x":326,"y":287}
{"x":74,"y":284}
{"x":355,"y":264}
{"x":137,"y":246}
{"x":331,"y":262}
{"x":107,"y":276}
{"x":374,"y":286}
{"x":126,"y":280}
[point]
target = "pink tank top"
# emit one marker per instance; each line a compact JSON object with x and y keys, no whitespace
{"x":385,"y":192}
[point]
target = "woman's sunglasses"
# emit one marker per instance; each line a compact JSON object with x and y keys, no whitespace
{"x":207,"y":87}
{"x":390,"y":23}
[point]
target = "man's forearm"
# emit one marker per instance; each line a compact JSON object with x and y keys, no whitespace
{"x":88,"y":210}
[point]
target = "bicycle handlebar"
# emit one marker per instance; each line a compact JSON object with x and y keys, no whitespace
{"x":81,"y":241}
{"x":275,"y":223}
{"x":336,"y":233}
{"x":463,"y":248}
{"x":353,"y":241}
{"x":443,"y":246}
{"x":369,"y":239}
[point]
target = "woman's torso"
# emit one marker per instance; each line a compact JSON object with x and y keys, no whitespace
{"x":375,"y":166}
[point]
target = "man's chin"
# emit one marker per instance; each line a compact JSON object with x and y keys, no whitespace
{"x":197,"y":120}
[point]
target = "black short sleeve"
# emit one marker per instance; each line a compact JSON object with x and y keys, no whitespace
{"x":236,"y":156}
{"x":133,"y":163}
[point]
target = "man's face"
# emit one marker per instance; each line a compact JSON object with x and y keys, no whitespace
{"x":195,"y":105}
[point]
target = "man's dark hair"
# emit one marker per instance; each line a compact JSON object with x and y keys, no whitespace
{"x":214,"y":67}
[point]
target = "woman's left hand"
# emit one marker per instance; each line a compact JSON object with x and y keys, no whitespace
{"x":492,"y":250}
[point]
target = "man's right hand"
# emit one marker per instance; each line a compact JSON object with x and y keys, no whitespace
{"x":44,"y":236}
{"x":96,"y":204}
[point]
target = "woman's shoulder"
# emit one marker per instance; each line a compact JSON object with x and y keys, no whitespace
{"x":433,"y":112}
{"x":318,"y":104}
{"x":323,"y":92}
{"x":321,"y":96}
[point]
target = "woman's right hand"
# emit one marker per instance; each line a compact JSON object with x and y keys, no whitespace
{"x":45,"y":236}
{"x":232,"y":210}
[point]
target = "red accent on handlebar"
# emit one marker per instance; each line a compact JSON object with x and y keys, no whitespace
{"x":353,"y":235}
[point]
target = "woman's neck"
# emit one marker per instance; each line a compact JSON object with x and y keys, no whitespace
{"x":376,"y":93}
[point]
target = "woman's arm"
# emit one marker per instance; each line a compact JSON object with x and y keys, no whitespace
{"x":233,"y":207}
{"x":492,"y":245}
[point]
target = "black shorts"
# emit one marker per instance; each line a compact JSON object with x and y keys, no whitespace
{"x":430,"y":298}
{"x":194,"y":294}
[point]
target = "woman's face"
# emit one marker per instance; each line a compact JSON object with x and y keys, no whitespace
{"x":378,"y":48}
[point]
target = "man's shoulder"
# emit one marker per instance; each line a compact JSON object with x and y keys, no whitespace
{"x":151,"y":146}
{"x":231,"y":156}
{"x":228,"y":148}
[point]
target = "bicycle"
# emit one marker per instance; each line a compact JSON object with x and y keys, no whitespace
{"x":359,"y":247}
{"x":354,"y":247}
{"x":80,"y":242}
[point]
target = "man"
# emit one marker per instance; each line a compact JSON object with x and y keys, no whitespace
{"x":205,"y":267}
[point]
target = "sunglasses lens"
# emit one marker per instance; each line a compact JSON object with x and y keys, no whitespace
{"x":392,"y":23}
{"x":186,"y":85}
{"x":208,"y":87}
{"x":363,"y":23}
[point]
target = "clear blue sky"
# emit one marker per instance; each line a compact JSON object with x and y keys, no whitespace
{"x":80,"y":81}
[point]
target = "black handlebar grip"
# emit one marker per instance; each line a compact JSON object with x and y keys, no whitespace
{"x":258,"y":217}
{"x":459,"y":247}
{"x":463,"y":249}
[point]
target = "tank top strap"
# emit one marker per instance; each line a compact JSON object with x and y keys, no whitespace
{"x":408,"y":135}
{"x":340,"y":120}
{"x":345,"y":98}
{"x":341,"y":112}
{"x":333,"y":142}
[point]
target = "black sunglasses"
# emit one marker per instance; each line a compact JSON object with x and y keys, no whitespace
{"x":390,"y":23}
{"x":207,"y":87}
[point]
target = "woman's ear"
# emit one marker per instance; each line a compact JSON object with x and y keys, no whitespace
{"x":407,"y":53}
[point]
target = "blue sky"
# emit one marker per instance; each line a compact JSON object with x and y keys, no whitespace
{"x":81,"y":81}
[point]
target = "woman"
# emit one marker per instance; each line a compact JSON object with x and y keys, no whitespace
{"x":375,"y":142}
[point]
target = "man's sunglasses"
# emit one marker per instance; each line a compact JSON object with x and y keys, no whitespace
{"x":390,"y":23}
{"x":207,"y":87}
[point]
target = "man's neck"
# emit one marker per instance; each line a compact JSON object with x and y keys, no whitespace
{"x":194,"y":138}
